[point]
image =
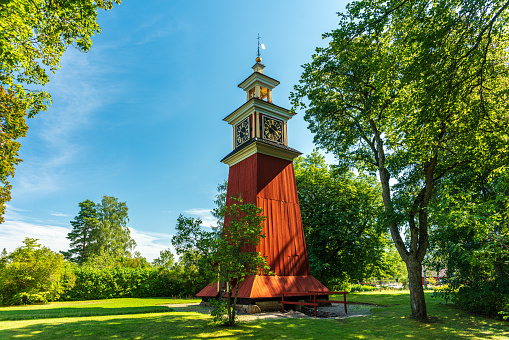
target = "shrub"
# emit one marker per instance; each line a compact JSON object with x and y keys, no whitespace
{"x":490,"y":298}
{"x":445,"y":292}
{"x":482,"y":300}
{"x":362,"y":288}
{"x":219,"y":311}
{"x":505,"y":313}
{"x":341,"y":286}
{"x":33,"y":274}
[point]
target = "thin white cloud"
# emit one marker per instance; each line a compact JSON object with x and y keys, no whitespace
{"x":59,"y":214}
{"x":10,"y":207}
{"x":208,"y":220}
{"x":78,"y":92}
{"x":12,"y":234}
{"x":150,"y":244}
{"x":13,"y":213}
{"x":157,"y":28}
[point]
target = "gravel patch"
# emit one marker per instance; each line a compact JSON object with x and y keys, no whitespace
{"x":325,"y":312}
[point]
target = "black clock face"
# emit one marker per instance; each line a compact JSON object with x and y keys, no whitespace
{"x":273,"y":129}
{"x":242,"y":132}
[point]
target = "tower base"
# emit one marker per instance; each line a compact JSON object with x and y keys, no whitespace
{"x":264,"y":288}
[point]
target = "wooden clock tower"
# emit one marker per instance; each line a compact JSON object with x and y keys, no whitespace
{"x":261,"y":172}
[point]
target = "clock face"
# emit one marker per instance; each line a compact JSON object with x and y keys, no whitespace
{"x":273,"y":129}
{"x":242,"y":132}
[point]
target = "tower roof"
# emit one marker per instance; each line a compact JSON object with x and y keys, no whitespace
{"x":260,"y":79}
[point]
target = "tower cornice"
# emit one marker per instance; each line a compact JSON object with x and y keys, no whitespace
{"x":258,"y":105}
{"x":263,"y":146}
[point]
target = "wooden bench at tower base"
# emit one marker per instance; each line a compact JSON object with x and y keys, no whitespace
{"x":332,"y":301}
{"x":312,"y":299}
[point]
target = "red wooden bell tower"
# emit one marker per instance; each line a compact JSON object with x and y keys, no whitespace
{"x":261,"y":172}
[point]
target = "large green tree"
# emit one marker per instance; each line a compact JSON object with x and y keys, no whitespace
{"x":83,"y":234}
{"x":340,"y":212}
{"x":100,"y":230}
{"x":114,"y":237}
{"x":411,"y":91}
{"x":33,"y":36}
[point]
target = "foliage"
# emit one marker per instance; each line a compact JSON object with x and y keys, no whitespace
{"x":116,"y":282}
{"x":220,"y":202}
{"x":362,"y":288}
{"x":195,"y":247}
{"x":133,"y":261}
{"x":229,"y":258}
{"x":100,"y":232}
{"x":471,"y":238}
{"x":83,"y":234}
{"x":114,"y":236}
{"x":219,"y":311}
{"x":344,"y":237}
{"x":12,"y":127}
{"x":105,"y":260}
{"x":414,"y":90}
{"x":487,"y":299}
{"x":165,"y":260}
{"x":33,"y":274}
{"x":34,"y":35}
{"x":236,"y":256}
{"x":445,"y":292}
{"x":505,"y":315}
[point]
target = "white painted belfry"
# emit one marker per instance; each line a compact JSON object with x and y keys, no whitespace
{"x":259,"y":107}
{"x":258,"y":67}
{"x":258,"y":92}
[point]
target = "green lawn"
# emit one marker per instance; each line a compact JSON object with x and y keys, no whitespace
{"x":147,"y":319}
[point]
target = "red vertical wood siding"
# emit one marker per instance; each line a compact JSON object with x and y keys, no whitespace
{"x":269,"y":182}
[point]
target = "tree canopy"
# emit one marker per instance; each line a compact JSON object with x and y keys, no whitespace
{"x":84,"y":233}
{"x":412,"y":90}
{"x":33,"y":36}
{"x":100,"y":230}
{"x":345,"y":240}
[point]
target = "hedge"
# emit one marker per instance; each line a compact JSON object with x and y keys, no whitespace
{"x":93,"y":283}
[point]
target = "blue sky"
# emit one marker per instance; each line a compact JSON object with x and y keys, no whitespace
{"x":139,"y":117}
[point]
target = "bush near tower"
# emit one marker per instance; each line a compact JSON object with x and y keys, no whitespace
{"x":226,"y":258}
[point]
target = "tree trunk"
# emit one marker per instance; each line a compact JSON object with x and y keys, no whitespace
{"x":228,"y":301}
{"x":417,"y":301}
{"x":237,"y":284}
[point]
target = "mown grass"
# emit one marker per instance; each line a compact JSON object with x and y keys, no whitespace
{"x":89,"y":308}
{"x":389,"y":322}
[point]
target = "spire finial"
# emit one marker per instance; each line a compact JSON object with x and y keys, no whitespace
{"x":258,"y":59}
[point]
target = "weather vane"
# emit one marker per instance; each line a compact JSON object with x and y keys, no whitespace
{"x":258,"y":58}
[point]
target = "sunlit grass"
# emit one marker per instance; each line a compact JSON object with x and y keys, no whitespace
{"x":90,"y":308}
{"x":389,"y":322}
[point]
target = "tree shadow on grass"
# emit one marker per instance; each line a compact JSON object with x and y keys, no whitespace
{"x":382,"y":327}
{"x":146,"y":326}
{"x":191,"y":325}
{"x":57,"y":312}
